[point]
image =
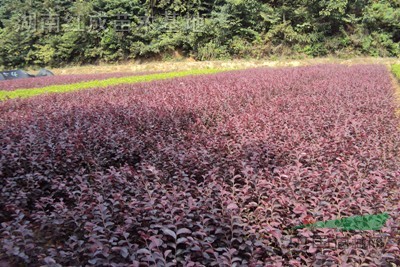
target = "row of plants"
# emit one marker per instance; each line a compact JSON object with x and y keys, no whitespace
{"x":98,"y":83}
{"x":38,"y":82}
{"x":214,"y":170}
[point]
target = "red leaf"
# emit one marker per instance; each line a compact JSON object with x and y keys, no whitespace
{"x":232,"y":206}
{"x":299,"y":209}
{"x":169,"y":232}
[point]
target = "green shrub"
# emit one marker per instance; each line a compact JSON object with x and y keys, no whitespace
{"x":212,"y":50}
{"x":396,"y":70}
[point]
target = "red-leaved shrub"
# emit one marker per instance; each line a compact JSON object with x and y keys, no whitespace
{"x":202,"y":171}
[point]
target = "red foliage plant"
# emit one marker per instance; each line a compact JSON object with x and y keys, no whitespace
{"x":201,"y":171}
{"x":38,"y":82}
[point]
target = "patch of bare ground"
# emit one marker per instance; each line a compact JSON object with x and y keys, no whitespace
{"x":188,"y":64}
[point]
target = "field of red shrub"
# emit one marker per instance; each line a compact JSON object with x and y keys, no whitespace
{"x":203,"y":171}
{"x":39,"y":82}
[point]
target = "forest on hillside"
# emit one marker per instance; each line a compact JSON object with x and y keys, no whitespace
{"x":60,"y":32}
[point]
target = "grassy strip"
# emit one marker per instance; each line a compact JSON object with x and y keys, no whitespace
{"x":363,"y":223}
{"x":396,"y":84}
{"x":396,"y":70}
{"x":24,"y":93}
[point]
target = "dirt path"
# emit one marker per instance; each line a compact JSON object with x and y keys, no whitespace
{"x":190,"y":64}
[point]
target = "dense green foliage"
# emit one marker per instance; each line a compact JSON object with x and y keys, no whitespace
{"x":24,"y":93}
{"x":231,"y":29}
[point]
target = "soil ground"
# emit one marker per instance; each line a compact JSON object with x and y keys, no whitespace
{"x":239,"y":64}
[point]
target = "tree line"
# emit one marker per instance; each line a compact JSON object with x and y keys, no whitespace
{"x":60,"y":32}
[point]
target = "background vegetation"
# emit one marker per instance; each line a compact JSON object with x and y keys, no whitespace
{"x":161,"y":29}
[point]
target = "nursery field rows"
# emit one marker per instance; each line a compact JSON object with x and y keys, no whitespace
{"x":39,"y":82}
{"x":210,"y":170}
{"x":62,"y":84}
